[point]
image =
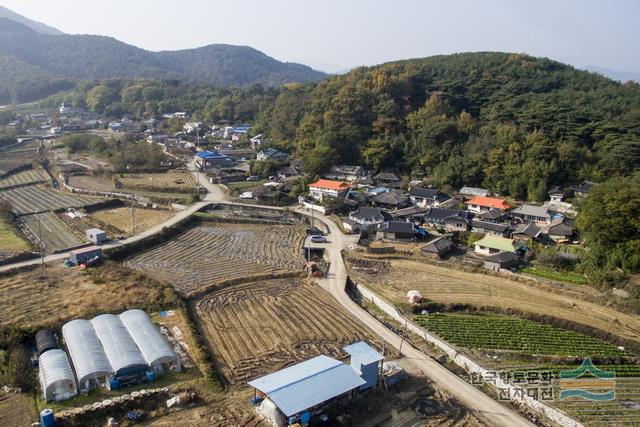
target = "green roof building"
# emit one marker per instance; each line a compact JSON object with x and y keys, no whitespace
{"x":490,"y":245}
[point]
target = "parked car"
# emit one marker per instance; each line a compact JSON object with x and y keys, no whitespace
{"x":318,"y":239}
{"x":253,"y":178}
{"x":314,"y":231}
{"x":246,"y":195}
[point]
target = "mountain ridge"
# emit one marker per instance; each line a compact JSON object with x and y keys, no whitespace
{"x":87,"y":57}
{"x":34,"y":25}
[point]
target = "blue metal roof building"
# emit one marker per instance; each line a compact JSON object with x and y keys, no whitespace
{"x":366,"y":361}
{"x":307,"y":385}
{"x":207,"y":155}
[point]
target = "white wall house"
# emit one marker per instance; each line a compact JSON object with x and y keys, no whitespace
{"x":327,"y":188}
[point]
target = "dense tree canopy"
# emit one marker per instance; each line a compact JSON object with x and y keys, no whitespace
{"x":515,"y":124}
{"x":509,"y":122}
{"x":610,"y":223}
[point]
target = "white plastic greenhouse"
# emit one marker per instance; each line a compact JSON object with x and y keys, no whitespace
{"x":56,"y":376}
{"x":89,"y":359}
{"x":152,"y":345}
{"x":121,"y":350}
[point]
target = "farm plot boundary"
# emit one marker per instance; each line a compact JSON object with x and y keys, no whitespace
{"x":210,"y":255}
{"x":255,"y":327}
{"x":35,"y":199}
{"x":56,"y":235}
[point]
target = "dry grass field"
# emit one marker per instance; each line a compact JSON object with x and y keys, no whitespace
{"x":16,"y":410}
{"x":91,"y":183}
{"x":256,"y":328}
{"x":28,"y":300}
{"x":40,"y":198}
{"x":207,"y":255}
{"x":393,"y":278}
{"x":11,"y":242}
{"x":120,"y":218}
{"x":174,"y":181}
{"x":56,"y":235}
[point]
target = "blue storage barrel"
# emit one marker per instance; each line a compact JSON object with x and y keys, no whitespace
{"x":46,"y":418}
{"x":151,"y":376}
{"x":305,"y":418}
{"x":114,"y":384}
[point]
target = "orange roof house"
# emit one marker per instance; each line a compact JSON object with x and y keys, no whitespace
{"x":328,"y":188}
{"x":328,"y":184}
{"x":487,"y":203}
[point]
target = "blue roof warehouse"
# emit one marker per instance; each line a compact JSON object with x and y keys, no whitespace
{"x":296,"y":393}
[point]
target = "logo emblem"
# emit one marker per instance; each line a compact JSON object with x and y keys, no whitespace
{"x":588,"y":382}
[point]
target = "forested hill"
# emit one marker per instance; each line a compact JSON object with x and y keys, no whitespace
{"x":510,"y":122}
{"x":47,"y":62}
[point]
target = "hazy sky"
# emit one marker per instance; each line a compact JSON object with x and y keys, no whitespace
{"x":338,"y":34}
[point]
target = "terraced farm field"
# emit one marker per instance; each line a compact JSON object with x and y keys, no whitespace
{"x":391,"y":279}
{"x":622,"y":410}
{"x":172,"y":182}
{"x":207,"y":255}
{"x":256,"y":328}
{"x":29,"y":176}
{"x":56,"y":235}
{"x":17,"y":156}
{"x":36,"y":199}
{"x":508,"y":333}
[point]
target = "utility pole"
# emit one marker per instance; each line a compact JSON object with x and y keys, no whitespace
{"x":133,"y":216}
{"x":41,"y":244}
{"x":404,"y":331}
{"x":381,"y":370}
{"x":309,"y":245}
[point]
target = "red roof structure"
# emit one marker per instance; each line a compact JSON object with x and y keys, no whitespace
{"x":489,"y":202}
{"x":328,"y":184}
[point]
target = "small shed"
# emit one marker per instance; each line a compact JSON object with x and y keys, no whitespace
{"x":56,"y":376}
{"x":45,"y":341}
{"x":396,"y":230}
{"x":501,"y":260}
{"x":84,"y":255}
{"x":438,"y":247}
{"x":366,"y":361}
{"x":97,"y":236}
{"x":350,"y":225}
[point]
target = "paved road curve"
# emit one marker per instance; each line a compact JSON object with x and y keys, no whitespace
{"x":487,"y":409}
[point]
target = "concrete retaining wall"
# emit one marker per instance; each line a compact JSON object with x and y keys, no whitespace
{"x":469,"y":365}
